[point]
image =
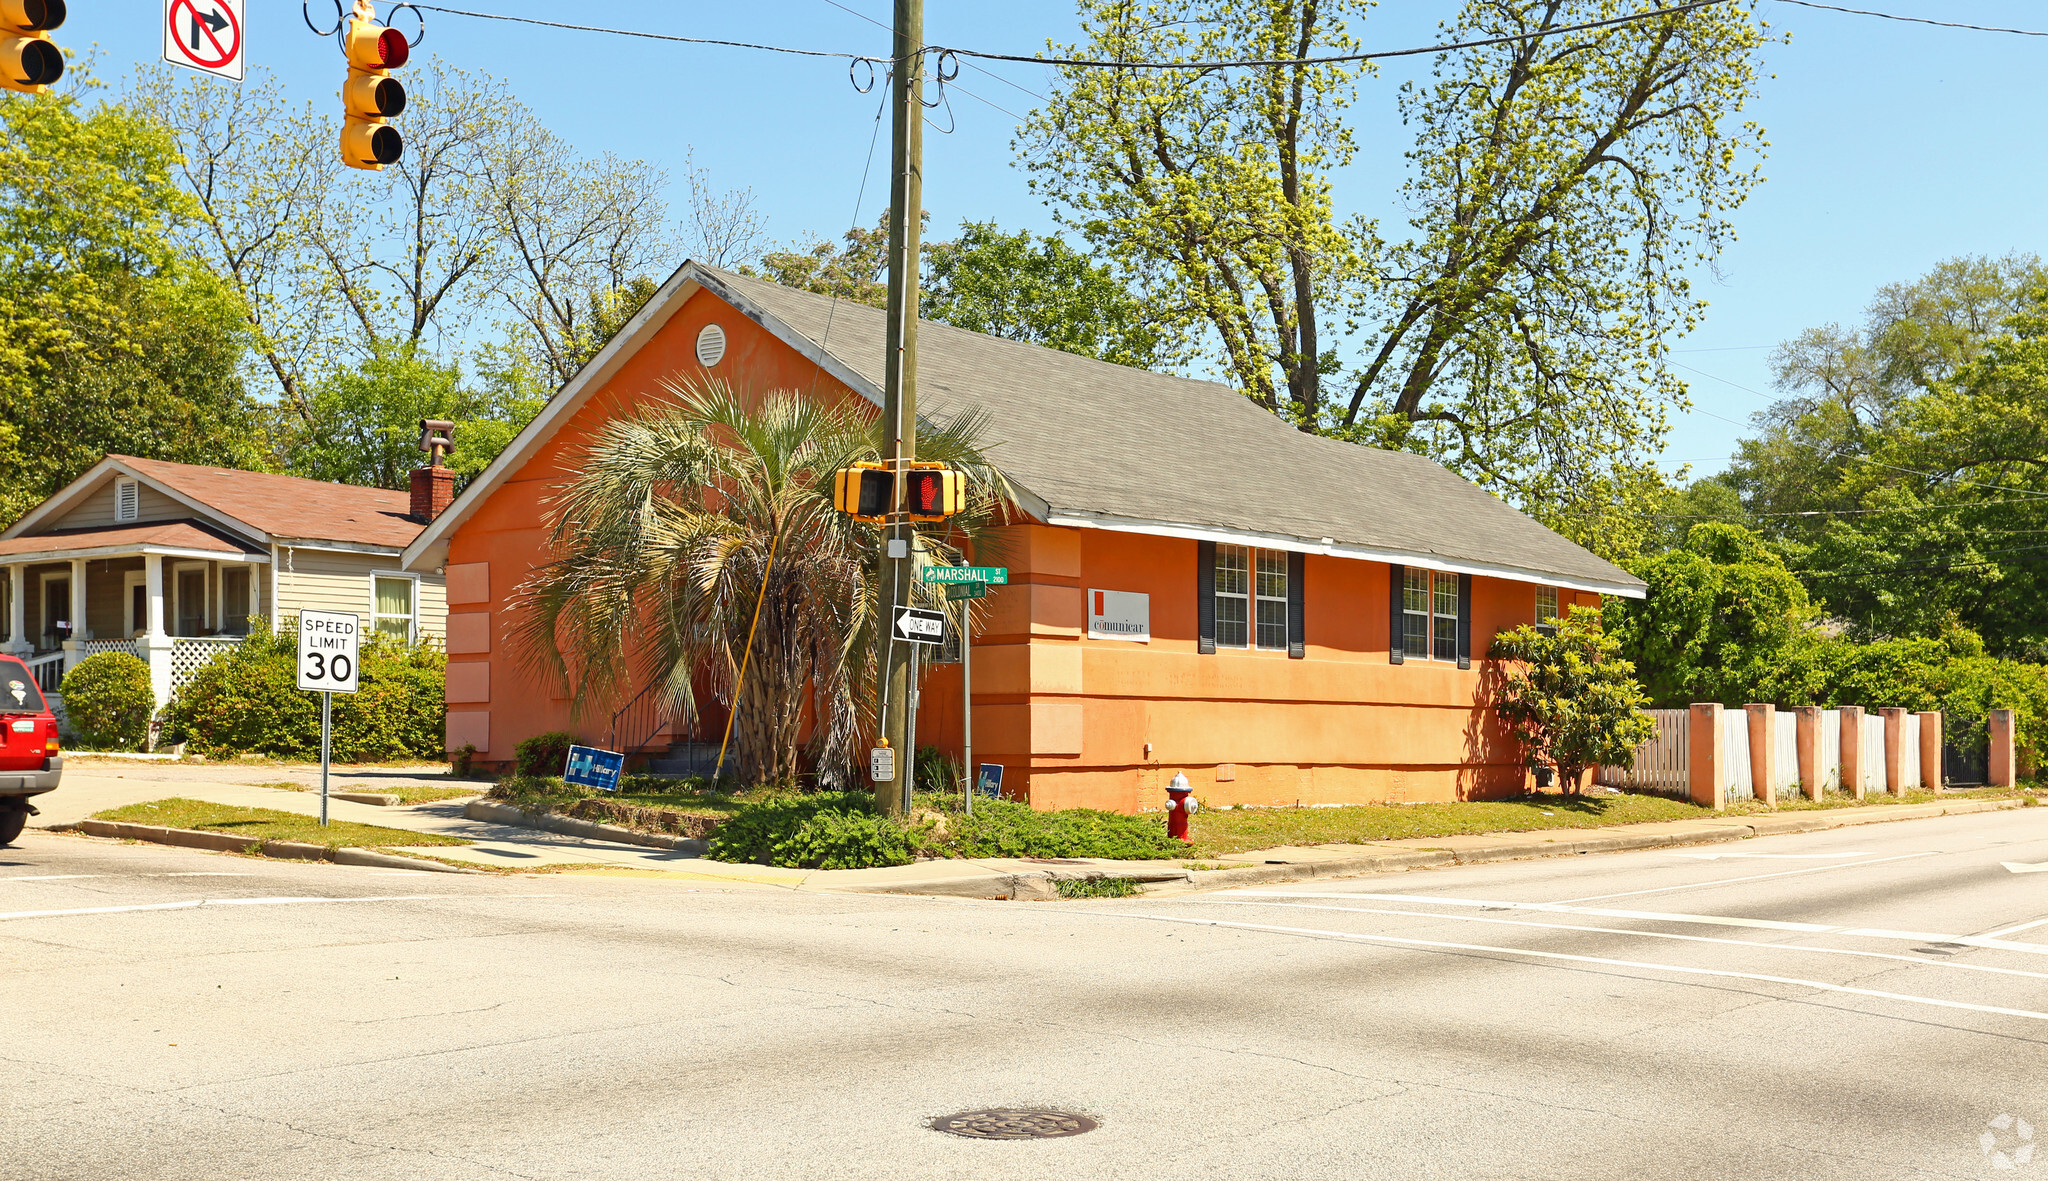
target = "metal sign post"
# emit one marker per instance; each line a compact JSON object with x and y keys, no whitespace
{"x":966,"y":583}
{"x":329,"y":646}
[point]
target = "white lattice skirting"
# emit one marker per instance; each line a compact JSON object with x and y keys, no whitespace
{"x":188,"y":656}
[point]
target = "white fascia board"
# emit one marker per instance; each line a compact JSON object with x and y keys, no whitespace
{"x":203,"y":509}
{"x":1357,"y":552}
{"x":130,"y":551}
{"x":337,"y":547}
{"x":430,"y":549}
{"x":65,"y":496}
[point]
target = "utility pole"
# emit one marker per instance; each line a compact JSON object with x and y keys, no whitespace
{"x":899,"y":402}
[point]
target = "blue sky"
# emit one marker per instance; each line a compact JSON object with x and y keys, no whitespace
{"x":1893,"y":145}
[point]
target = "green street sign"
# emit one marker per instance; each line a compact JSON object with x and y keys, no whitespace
{"x":996,"y":575}
{"x":967,"y":590}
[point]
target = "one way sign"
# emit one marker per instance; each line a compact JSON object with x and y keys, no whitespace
{"x":205,"y":35}
{"x":920,"y":626}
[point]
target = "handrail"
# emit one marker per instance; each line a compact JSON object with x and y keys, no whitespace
{"x":647,"y":711}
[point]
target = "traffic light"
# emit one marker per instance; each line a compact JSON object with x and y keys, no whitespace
{"x":933,"y":492}
{"x":29,"y":60}
{"x":371,"y":95}
{"x":863,"y":492}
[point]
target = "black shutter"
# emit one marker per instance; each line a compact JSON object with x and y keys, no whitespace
{"x":1296,"y":647}
{"x":1205,"y":597}
{"x":1397,"y":578}
{"x":1464,"y":621}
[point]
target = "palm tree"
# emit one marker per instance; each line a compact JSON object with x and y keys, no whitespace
{"x":681,"y":523}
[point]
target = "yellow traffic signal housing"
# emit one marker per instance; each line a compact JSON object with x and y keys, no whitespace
{"x":29,"y":60}
{"x":371,"y":96}
{"x":933,"y":492}
{"x":863,"y":492}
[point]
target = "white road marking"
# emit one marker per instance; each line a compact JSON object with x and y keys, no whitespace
{"x":1753,"y":877}
{"x":1803,"y":947}
{"x":201,"y":873}
{"x":44,"y":914}
{"x":1662,"y":916}
{"x":1720,"y":973}
{"x":1775,"y":856}
{"x":2023,"y":867}
{"x":52,"y":877}
{"x":2004,"y":931}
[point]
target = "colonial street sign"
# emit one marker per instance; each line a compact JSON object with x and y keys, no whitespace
{"x":967,"y":590}
{"x":328,"y":642}
{"x":920,"y":626}
{"x":205,"y":35}
{"x":996,"y":575}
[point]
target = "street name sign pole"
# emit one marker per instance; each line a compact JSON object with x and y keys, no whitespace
{"x":964,"y":583}
{"x":330,"y":644}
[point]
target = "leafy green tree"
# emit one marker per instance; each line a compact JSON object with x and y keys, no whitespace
{"x":1723,"y":620}
{"x":1042,"y":291}
{"x":855,"y":268}
{"x":109,"y":340}
{"x":1562,"y":183}
{"x":662,"y":542}
{"x":366,"y":420}
{"x":1570,"y":697}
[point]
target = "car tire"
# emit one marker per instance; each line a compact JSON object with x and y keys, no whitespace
{"x":13,"y":818}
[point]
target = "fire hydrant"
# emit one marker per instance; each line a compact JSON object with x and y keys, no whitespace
{"x":1180,"y":804}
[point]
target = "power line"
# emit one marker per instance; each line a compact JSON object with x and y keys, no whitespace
{"x":1915,"y":20}
{"x":527,"y":20}
{"x":1334,"y":59}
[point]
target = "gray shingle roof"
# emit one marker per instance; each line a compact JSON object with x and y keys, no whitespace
{"x":1106,"y":441}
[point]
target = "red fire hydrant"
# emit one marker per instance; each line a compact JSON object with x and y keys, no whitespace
{"x":1180,"y":804}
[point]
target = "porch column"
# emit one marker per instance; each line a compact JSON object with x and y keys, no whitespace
{"x":17,"y":611}
{"x":75,"y":646}
{"x":156,"y":644}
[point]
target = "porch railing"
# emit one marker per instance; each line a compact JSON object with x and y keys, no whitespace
{"x":191,"y":653}
{"x":88,"y":648}
{"x":48,"y":671}
{"x":638,"y":721}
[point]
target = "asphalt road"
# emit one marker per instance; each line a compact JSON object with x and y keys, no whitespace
{"x":1861,"y":1003}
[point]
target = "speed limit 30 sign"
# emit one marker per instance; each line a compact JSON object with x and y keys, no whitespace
{"x":328,"y":644}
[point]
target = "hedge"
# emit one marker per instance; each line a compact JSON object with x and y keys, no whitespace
{"x":108,"y":701}
{"x":247,"y":700}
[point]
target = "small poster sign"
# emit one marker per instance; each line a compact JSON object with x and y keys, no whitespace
{"x":990,"y":782}
{"x":882,"y":764}
{"x":596,"y":768}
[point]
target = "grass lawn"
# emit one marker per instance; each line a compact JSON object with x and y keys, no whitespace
{"x":406,"y":793}
{"x":1241,"y":830}
{"x":1795,"y":801}
{"x":266,"y":824}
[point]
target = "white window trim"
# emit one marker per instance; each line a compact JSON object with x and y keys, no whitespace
{"x":1556,"y":609}
{"x":171,"y":604}
{"x":220,"y":597}
{"x":1437,"y":618}
{"x":1250,"y":596}
{"x":413,"y":629}
{"x":130,"y":579}
{"x":1428,"y":613}
{"x":1257,"y":598}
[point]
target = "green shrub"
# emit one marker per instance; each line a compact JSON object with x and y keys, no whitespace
{"x":537,"y":793}
{"x":829,"y":830}
{"x":1095,"y":888}
{"x":937,"y":771}
{"x":247,"y":700}
{"x":1003,"y":828}
{"x":108,"y":701}
{"x":546,"y":753}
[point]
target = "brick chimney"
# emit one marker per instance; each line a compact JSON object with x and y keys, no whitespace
{"x":433,"y":486}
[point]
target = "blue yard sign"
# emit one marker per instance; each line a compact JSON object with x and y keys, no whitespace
{"x":990,"y":782}
{"x":596,"y":768}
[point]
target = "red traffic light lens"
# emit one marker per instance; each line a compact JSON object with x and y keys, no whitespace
{"x":924,"y":492}
{"x":392,"y":47}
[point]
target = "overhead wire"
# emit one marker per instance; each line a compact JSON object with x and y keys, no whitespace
{"x":1915,"y":20}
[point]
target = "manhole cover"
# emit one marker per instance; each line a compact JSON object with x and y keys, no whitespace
{"x":1013,"y":1124}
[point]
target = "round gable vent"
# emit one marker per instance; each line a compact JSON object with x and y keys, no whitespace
{"x":710,"y":346}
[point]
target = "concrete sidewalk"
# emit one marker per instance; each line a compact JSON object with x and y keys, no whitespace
{"x":507,"y":846}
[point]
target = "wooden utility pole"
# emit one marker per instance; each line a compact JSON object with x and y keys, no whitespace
{"x":899,"y":403}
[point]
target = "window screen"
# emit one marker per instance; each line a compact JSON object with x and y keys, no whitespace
{"x":1446,"y":645}
{"x":234,"y":600}
{"x":394,"y":608}
{"x":1546,"y":610}
{"x":1415,"y":612}
{"x":1233,"y":596}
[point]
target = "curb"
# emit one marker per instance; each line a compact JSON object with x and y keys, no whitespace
{"x":377,"y":798}
{"x":221,"y":842}
{"x":496,"y":813}
{"x":1031,"y":887}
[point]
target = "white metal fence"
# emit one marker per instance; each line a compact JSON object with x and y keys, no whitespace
{"x":1663,"y":764}
{"x":1785,"y":752}
{"x":1909,"y":749}
{"x":1828,"y":749}
{"x":1736,"y":782}
{"x":1872,"y":769}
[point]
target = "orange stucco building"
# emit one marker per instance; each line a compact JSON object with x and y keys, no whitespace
{"x":1194,"y":586}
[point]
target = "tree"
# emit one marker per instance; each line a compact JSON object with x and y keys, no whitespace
{"x":1570,"y":698}
{"x":1041,"y":290}
{"x":853,"y":270}
{"x":1723,"y":620}
{"x":366,"y":419}
{"x":664,"y":532}
{"x":108,"y":339}
{"x":1563,"y":182}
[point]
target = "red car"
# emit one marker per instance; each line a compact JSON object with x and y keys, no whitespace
{"x":31,"y":761}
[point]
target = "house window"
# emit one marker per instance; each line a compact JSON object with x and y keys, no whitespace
{"x":1446,"y":631}
{"x":127,"y":500}
{"x":1546,"y":610}
{"x":393,"y":607}
{"x":1415,"y":611}
{"x":189,"y":588}
{"x":234,"y":600}
{"x":1251,"y":597}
